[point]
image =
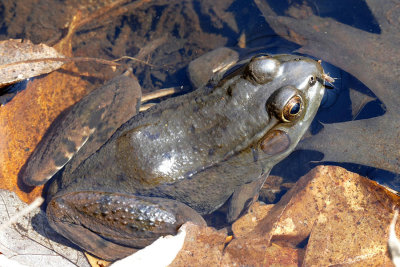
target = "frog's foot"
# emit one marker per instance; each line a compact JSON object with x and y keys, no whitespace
{"x":101,"y":112}
{"x":113,"y":225}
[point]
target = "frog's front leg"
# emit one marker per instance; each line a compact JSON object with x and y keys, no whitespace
{"x":243,"y":197}
{"x":114,"y":225}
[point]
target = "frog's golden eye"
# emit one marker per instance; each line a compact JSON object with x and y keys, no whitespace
{"x":292,"y":108}
{"x":286,"y":103}
{"x":262,"y":69}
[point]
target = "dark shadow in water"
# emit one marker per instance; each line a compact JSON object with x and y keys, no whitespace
{"x":296,"y":164}
{"x":337,"y":106}
{"x":7,"y":93}
{"x":300,"y":162}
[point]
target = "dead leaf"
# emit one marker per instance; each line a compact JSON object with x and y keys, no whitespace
{"x":20,"y":60}
{"x":256,"y":252}
{"x":203,"y":246}
{"x":358,"y":102}
{"x":166,"y":248}
{"x":344,"y":216}
{"x":25,"y":119}
{"x":393,"y":241}
{"x":31,"y":241}
{"x":96,"y":262}
{"x":245,"y":224}
{"x":4,"y":261}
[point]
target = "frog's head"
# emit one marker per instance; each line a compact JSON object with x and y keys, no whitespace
{"x":287,"y":90}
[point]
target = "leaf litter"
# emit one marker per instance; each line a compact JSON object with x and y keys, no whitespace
{"x":25,"y":119}
{"x":46,"y":108}
{"x":31,"y":240}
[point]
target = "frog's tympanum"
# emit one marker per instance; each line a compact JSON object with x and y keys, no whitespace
{"x":185,"y":157}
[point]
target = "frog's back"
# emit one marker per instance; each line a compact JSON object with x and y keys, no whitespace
{"x":171,"y":142}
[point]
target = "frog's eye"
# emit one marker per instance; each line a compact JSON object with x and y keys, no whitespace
{"x":292,"y":108}
{"x":262,"y":69}
{"x":286,"y":104}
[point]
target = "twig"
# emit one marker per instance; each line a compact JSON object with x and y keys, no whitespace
{"x":34,"y":205}
{"x":135,"y":59}
{"x":159,"y":93}
{"x":146,"y":106}
{"x":62,"y":59}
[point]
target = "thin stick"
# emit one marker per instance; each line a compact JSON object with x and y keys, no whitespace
{"x":146,"y":107}
{"x":62,"y":59}
{"x":159,"y":93}
{"x":34,"y":205}
{"x":134,"y":59}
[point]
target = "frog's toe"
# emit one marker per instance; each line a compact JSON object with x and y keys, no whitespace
{"x":112,"y":225}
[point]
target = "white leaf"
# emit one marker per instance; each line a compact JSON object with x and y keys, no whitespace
{"x":166,"y":248}
{"x":30,"y":240}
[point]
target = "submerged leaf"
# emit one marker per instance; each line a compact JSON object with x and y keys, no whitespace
{"x":20,"y":60}
{"x":339,"y":217}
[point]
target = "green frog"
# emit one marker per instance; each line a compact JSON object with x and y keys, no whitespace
{"x":180,"y":159}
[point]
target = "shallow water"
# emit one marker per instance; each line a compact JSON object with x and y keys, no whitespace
{"x":169,"y":34}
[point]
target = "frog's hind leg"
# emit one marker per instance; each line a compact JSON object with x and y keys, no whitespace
{"x":114,"y":225}
{"x":84,"y":128}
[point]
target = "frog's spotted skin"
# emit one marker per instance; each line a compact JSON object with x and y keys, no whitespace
{"x":187,"y":156}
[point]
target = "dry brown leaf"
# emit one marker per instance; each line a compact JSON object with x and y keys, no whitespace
{"x":95,"y":262}
{"x":20,"y":60}
{"x":245,"y":224}
{"x":344,"y":216}
{"x":203,"y":246}
{"x":25,"y":119}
